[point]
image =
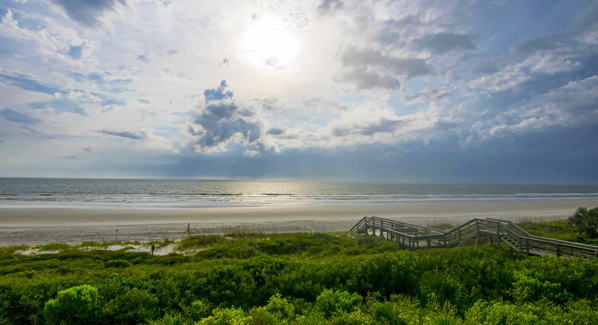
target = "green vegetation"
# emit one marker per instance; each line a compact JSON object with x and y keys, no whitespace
{"x":585,"y":222}
{"x":296,"y":279}
{"x":578,"y":228}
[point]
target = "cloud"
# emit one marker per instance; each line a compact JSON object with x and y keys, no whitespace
{"x":272,"y":104}
{"x":538,"y":44}
{"x":134,"y":135}
{"x":60,"y":105}
{"x":319,"y":101}
{"x":218,"y":93}
{"x":368,"y":80}
{"x":442,"y":43}
{"x":367,"y":62}
{"x":368,"y":127}
{"x":508,"y":78}
{"x":428,"y":94}
{"x":17,"y":117}
{"x":96,"y":77}
{"x":143,"y":58}
{"x":328,"y":5}
{"x":88,"y":13}
{"x":486,"y":68}
{"x":143,"y":101}
{"x":276,"y":131}
{"x":25,"y":82}
{"x":113,"y":101}
{"x":219,"y":122}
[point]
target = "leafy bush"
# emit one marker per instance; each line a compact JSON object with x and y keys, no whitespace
{"x":439,"y":288}
{"x":77,"y":305}
{"x":584,"y":222}
{"x":226,"y":316}
{"x":117,"y":263}
{"x":332,"y":301}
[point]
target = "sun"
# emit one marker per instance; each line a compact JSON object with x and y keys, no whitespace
{"x":269,"y":42}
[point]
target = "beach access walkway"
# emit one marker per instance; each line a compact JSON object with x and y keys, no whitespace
{"x":475,"y":231}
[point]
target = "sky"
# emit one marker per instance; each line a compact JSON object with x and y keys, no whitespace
{"x":387,"y":91}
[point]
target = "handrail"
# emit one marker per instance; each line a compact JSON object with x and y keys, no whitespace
{"x":408,"y":235}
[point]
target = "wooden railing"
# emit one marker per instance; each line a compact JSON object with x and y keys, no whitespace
{"x":410,"y":236}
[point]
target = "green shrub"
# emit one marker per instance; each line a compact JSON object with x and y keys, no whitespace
{"x":440,"y":288}
{"x":54,"y":247}
{"x":584,"y":222}
{"x":528,"y":288}
{"x":76,"y":305}
{"x":332,"y":301}
{"x":168,"y":319}
{"x":117,"y":263}
{"x":132,"y":306}
{"x":226,"y":316}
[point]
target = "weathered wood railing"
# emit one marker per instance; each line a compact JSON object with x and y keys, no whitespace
{"x":413,"y":236}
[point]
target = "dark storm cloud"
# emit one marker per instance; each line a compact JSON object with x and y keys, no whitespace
{"x":75,"y":52}
{"x":442,"y":43}
{"x":61,"y":105}
{"x":134,"y":135}
{"x":88,"y":12}
{"x":221,"y":121}
{"x":26,"y":83}
{"x":218,"y":93}
{"x":362,"y":58}
{"x":17,"y":117}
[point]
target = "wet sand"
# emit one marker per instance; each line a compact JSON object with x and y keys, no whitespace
{"x":35,"y":226}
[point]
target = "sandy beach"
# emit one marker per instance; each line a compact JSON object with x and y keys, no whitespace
{"x":35,"y":226}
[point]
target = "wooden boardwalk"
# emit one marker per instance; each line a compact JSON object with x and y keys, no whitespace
{"x":413,"y":237}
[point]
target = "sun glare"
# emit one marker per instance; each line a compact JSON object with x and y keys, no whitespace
{"x":268,"y":42}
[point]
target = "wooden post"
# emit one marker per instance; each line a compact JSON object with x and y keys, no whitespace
{"x":491,"y":241}
{"x":527,"y":247}
{"x":429,"y":242}
{"x":557,"y":250}
{"x":497,"y":235}
{"x":477,"y":225}
{"x":189,"y":230}
{"x":459,"y":234}
{"x":116,"y":234}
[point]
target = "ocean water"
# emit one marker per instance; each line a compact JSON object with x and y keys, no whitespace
{"x":18,"y":192}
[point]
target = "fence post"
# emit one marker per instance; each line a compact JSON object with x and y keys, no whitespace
{"x":557,"y":250}
{"x":527,"y":246}
{"x":497,"y":235}
{"x":477,"y":225}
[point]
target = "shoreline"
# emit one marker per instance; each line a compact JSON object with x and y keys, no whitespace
{"x":36,"y":226}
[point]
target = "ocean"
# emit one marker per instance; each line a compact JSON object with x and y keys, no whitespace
{"x":41,"y":192}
